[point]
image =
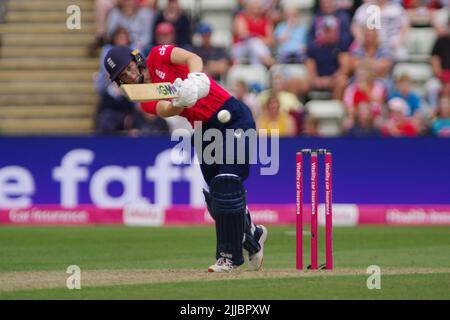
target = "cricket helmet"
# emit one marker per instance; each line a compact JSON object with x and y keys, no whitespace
{"x":118,"y":58}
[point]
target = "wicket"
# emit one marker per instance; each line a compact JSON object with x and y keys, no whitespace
{"x":314,"y":156}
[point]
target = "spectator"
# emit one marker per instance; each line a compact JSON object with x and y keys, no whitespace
{"x":441,"y":124}
{"x":241,"y":92}
{"x":164,"y":34}
{"x":272,"y":118}
{"x":173,"y":13}
{"x":404,"y":91}
{"x":137,"y":20}
{"x":216,"y":60}
{"x":271,"y":9}
{"x":440,"y":20}
{"x":328,"y":62}
{"x":102,"y":10}
{"x":440,"y":63}
{"x":290,"y":37}
{"x":365,"y":89}
{"x":310,"y":126}
{"x":363,"y":124}
{"x":370,"y":52}
{"x":393,"y":29}
{"x":328,"y":8}
{"x":252,"y":35}
{"x":398,"y":123}
{"x":279,"y":87}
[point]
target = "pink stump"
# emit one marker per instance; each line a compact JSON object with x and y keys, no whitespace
{"x":328,"y":212}
{"x":314,"y":201}
{"x":299,"y":209}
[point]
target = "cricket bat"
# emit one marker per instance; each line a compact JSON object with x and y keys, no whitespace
{"x":149,"y":91}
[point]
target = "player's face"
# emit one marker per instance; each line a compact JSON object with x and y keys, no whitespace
{"x":130,"y":74}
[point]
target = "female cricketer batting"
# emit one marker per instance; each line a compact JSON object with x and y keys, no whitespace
{"x":201,"y":99}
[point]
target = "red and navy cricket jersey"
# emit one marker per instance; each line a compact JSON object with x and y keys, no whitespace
{"x":161,"y":69}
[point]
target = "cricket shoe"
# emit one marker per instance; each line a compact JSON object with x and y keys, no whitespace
{"x":222,"y":265}
{"x":255,"y":260}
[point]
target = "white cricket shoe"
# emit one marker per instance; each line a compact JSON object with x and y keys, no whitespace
{"x":255,"y":260}
{"x":222,"y":265}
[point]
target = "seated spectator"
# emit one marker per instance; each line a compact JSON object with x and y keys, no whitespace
{"x":102,"y":10}
{"x":398,"y":123}
{"x":440,"y":20}
{"x":393,"y":29}
{"x":370,"y":52}
{"x":310,"y":126}
{"x":327,"y":9}
{"x":290,"y":37}
{"x":173,"y":13}
{"x":252,"y":32}
{"x":346,"y":5}
{"x":271,"y":9}
{"x":242,"y":92}
{"x":273,"y":118}
{"x":145,"y":124}
{"x":137,"y":20}
{"x":279,"y":86}
{"x":215,"y":59}
{"x":328,"y":61}
{"x":440,"y":63}
{"x":441,"y":124}
{"x":364,"y":89}
{"x":363,"y":124}
{"x":164,"y":34}
{"x":404,"y":91}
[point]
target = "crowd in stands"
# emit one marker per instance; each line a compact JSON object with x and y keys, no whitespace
{"x":348,"y":51}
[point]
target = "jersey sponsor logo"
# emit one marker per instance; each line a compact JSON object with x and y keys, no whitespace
{"x":162,"y":50}
{"x":160,"y":74}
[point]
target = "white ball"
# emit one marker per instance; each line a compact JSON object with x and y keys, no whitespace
{"x":224,"y":116}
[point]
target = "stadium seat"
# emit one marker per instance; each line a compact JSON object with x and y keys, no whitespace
{"x":302,"y":4}
{"x":214,"y":5}
{"x":329,"y":114}
{"x":218,"y":20}
{"x":251,"y":74}
{"x":420,"y":43}
{"x":419,"y":72}
{"x":290,"y":70}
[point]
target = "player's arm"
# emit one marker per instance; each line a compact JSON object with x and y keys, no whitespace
{"x":183,"y":57}
{"x":166,"y":109}
{"x":195,"y":65}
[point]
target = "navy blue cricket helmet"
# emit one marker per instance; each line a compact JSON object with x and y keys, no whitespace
{"x":118,"y":58}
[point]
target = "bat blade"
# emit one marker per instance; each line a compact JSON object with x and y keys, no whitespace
{"x":149,"y":91}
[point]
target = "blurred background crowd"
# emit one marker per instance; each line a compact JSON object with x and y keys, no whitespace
{"x":304,"y":67}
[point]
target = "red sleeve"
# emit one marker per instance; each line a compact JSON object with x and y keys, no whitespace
{"x":161,"y":53}
{"x":149,"y":107}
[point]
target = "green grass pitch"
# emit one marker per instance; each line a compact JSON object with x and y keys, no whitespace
{"x":414,"y":263}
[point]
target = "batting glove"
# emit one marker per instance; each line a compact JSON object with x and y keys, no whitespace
{"x":202,"y":82}
{"x":187,"y":93}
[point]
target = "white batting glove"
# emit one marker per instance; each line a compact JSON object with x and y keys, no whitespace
{"x":187,"y":93}
{"x":202,"y":81}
